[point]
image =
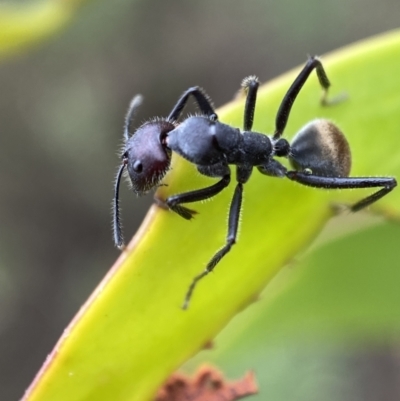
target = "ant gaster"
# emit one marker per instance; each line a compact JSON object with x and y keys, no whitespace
{"x":319,"y":154}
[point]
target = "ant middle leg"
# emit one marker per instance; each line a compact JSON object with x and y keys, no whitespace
{"x":243,"y":174}
{"x":250,"y":86}
{"x":387,"y":184}
{"x":234,"y":214}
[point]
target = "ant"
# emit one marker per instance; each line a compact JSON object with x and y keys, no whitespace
{"x":319,"y":155}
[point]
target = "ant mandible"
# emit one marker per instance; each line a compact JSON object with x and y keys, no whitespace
{"x":319,"y":154}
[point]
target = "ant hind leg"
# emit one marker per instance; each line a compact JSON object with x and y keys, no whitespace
{"x":387,"y":184}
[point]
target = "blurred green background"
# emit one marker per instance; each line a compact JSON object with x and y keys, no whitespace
{"x":326,"y":328}
{"x":61,"y":115}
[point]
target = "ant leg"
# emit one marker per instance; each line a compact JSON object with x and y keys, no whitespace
{"x":388,"y":184}
{"x":243,"y":174}
{"x":234,"y":214}
{"x":250,"y":85}
{"x":217,"y":170}
{"x":174,"y":202}
{"x":202,"y":100}
{"x":288,"y":100}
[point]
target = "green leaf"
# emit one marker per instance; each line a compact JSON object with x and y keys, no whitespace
{"x":131,"y":334}
{"x":22,"y":26}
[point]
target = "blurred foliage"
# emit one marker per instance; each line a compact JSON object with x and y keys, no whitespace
{"x":22,"y":25}
{"x":61,"y":115}
{"x":327,"y":328}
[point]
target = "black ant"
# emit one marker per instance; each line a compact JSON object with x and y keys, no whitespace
{"x":319,"y":154}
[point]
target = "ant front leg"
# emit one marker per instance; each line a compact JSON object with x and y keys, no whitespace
{"x":243,"y":174}
{"x":202,"y":100}
{"x":387,"y":184}
{"x":174,"y":202}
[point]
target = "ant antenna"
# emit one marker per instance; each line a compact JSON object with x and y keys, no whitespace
{"x":118,"y":236}
{"x":130,"y":115}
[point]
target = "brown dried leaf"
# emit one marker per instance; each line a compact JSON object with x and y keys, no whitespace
{"x":207,"y":384}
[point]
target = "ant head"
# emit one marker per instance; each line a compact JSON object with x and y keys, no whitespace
{"x":146,"y":155}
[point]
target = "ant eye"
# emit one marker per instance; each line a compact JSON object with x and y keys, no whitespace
{"x":138,"y":166}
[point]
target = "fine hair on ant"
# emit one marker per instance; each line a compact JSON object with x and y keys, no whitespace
{"x":319,"y":155}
